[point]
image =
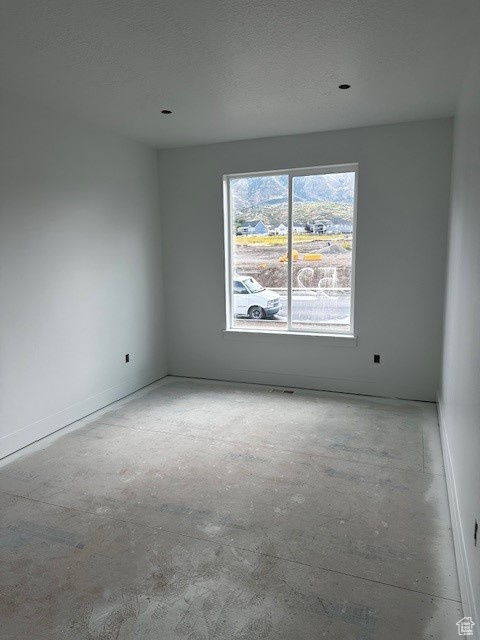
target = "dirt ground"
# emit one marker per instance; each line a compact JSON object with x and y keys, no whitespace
{"x":262,"y":262}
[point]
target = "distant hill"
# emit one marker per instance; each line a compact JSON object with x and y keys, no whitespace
{"x":315,"y":197}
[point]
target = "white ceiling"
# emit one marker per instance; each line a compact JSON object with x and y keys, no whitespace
{"x":236,"y":69}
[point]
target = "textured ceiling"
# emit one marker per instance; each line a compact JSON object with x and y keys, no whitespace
{"x":236,"y":69}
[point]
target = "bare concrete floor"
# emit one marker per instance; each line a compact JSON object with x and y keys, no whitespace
{"x":212,"y":511}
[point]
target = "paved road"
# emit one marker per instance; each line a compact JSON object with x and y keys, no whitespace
{"x":315,"y":309}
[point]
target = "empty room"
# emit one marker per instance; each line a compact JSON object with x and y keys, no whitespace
{"x":239,"y":307}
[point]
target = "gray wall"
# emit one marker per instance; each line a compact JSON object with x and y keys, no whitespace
{"x":460,"y":389}
{"x":403,"y":200}
{"x":80,"y":271}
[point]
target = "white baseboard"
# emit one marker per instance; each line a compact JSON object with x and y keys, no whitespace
{"x":464,"y":578}
{"x":35,"y":431}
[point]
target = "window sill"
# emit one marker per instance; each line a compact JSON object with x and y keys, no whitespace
{"x":329,"y":339}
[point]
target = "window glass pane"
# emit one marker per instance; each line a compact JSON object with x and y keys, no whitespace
{"x":259,"y":210}
{"x":323,"y":207}
{"x":239,"y":287}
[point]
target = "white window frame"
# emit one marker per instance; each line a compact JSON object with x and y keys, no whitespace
{"x":228,"y":230}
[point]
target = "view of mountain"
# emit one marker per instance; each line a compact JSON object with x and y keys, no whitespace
{"x":266,"y":197}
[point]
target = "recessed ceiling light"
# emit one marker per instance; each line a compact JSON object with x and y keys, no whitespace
{"x":344,"y":86}
{"x":166,"y":112}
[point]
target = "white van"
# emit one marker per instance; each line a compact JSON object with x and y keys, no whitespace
{"x":252,"y":300}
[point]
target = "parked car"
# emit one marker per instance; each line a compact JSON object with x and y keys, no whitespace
{"x":252,"y":300}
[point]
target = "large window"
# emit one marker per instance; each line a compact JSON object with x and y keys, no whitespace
{"x":290,"y":247}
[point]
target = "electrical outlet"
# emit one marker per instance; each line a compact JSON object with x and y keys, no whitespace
{"x":127,"y":358}
{"x":376,"y":358}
